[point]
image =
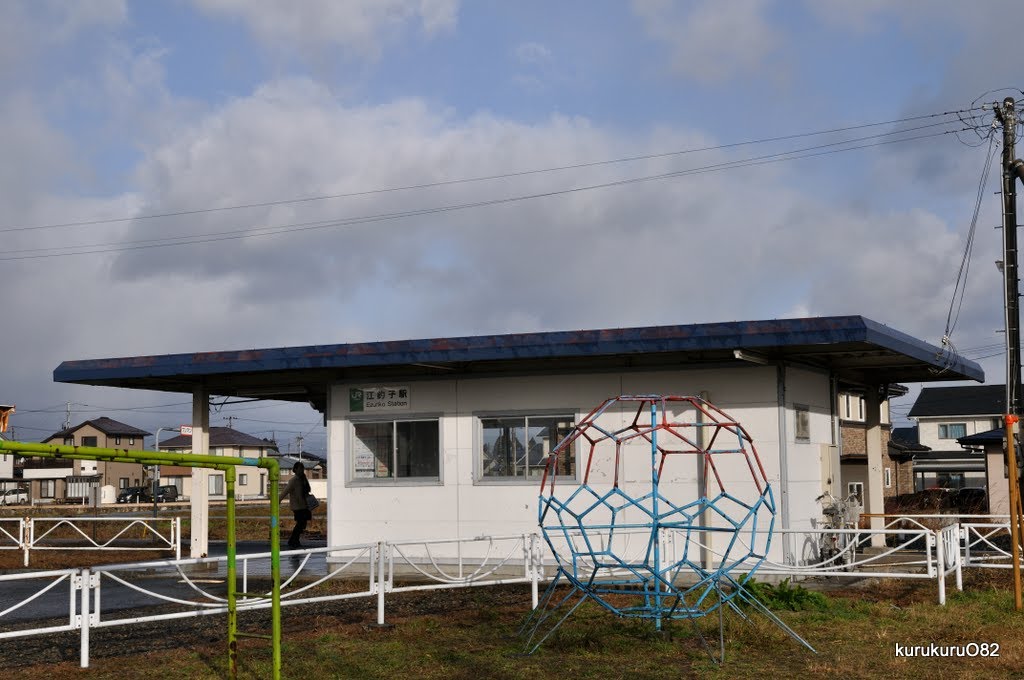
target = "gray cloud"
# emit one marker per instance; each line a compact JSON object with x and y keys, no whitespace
{"x":671,"y":251}
{"x":359,"y":26}
{"x":714,"y":41}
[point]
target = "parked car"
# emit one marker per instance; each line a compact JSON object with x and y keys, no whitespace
{"x":971,"y":500}
{"x":14,"y":497}
{"x":134,"y":494}
{"x":166,"y":494}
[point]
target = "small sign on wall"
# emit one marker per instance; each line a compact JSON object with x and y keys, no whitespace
{"x":362,"y":399}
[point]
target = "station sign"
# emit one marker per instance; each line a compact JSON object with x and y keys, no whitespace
{"x":389,"y":398}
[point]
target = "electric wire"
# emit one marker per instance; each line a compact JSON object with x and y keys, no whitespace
{"x":960,"y":286}
{"x":807,"y":152}
{"x":465,"y":180}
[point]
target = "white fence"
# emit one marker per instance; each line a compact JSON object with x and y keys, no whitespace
{"x":12,"y":533}
{"x":165,"y":590}
{"x":90,"y":533}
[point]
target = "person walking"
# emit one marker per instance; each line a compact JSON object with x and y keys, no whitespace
{"x":296,"y":492}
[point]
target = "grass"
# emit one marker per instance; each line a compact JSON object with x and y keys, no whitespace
{"x":472,"y":634}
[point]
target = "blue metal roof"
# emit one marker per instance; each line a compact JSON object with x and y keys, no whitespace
{"x":858,"y":349}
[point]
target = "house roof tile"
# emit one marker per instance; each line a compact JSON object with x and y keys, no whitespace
{"x":220,"y":437}
{"x":107,"y":426}
{"x":963,"y":400}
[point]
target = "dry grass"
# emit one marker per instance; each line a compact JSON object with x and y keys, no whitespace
{"x":472,"y":634}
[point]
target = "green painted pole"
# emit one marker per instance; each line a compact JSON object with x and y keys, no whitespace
{"x":194,"y":460}
{"x":126,"y":455}
{"x":229,"y":482}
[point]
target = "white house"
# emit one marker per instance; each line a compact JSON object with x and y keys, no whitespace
{"x":963,"y":425}
{"x":250,"y":481}
{"x":422,"y":433}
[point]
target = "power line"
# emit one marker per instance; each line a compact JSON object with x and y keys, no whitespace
{"x":485,"y":178}
{"x":808,"y":152}
{"x":965,"y":262}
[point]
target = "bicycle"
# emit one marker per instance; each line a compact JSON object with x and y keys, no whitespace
{"x":837,"y":548}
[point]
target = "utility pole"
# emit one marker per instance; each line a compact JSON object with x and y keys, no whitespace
{"x":67,"y":417}
{"x":1013,"y":169}
{"x":299,"y":440}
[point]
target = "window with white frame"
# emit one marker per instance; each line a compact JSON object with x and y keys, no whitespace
{"x":243,"y":478}
{"x":888,"y":478}
{"x":517,"y":447}
{"x":802,"y":430}
{"x":117,"y":440}
{"x":856,"y":489}
{"x":47,"y":488}
{"x":952,"y":430}
{"x":396,"y":449}
{"x":122,"y":483}
{"x":215,"y":485}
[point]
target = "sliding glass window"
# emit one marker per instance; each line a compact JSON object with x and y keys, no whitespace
{"x":517,"y":447}
{"x":396,"y":449}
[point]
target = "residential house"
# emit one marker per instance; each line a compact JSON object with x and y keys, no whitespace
{"x":903,"y":447}
{"x":7,"y":468}
{"x":945,"y":416}
{"x":7,"y":478}
{"x":86,"y":481}
{"x":997,"y":473}
{"x":250,"y":481}
{"x":853,"y":451}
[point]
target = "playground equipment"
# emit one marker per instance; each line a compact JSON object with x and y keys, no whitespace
{"x":640,"y":551}
{"x":226,"y":464}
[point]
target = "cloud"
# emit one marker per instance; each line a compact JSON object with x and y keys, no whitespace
{"x":359,"y":26}
{"x":29,"y":27}
{"x":531,"y":53}
{"x":710,"y":41}
{"x":880,"y":236}
{"x":645,"y":253}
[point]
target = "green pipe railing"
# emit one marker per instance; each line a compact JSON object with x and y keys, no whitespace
{"x":227,"y":464}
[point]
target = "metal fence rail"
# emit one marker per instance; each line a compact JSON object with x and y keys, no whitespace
{"x":12,"y":533}
{"x":164,"y":590}
{"x":908,"y":553}
{"x":120,"y":533}
{"x":947,"y":555}
{"x":480,"y":561}
{"x":193,"y":587}
{"x":987,"y":545}
{"x":20,"y":590}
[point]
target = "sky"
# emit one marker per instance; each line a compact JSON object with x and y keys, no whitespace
{"x":201,"y":175}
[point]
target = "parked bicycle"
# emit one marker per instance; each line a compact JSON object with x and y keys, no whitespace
{"x":837,"y":548}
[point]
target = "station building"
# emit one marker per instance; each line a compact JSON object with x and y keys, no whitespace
{"x":446,"y":437}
